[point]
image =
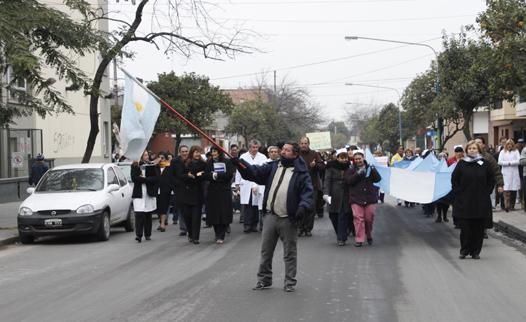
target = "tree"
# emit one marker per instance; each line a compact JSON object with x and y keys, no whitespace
{"x":168,"y":23}
{"x":340,"y":134}
{"x":193,"y":97}
{"x":422,"y":107}
{"x":297,"y":109}
{"x":258,"y":120}
{"x":502,"y":24}
{"x":382,"y":128}
{"x":466,"y":70}
{"x":34,"y":36}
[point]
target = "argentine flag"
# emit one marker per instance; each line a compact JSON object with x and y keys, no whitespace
{"x":140,"y":110}
{"x":421,"y":180}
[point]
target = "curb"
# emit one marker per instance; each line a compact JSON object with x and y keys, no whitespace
{"x":9,"y":241}
{"x":510,"y":230}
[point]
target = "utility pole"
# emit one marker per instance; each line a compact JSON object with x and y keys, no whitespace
{"x":115,"y":87}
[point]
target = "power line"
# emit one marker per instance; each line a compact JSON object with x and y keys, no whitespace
{"x":318,"y":62}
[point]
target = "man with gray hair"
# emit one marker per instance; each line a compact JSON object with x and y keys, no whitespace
{"x":273,"y":153}
{"x":251,"y":194}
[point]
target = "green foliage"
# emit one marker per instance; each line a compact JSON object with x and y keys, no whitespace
{"x":193,"y":97}
{"x":382,"y":128}
{"x":465,"y":72}
{"x":340,"y":134}
{"x":503,"y":25}
{"x":33,"y":37}
{"x":258,"y":120}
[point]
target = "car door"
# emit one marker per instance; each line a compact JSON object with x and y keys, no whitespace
{"x":125,"y":188}
{"x":116,"y":200}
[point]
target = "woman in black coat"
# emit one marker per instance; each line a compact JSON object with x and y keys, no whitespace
{"x":166,"y":186}
{"x":144,"y":177}
{"x":337,"y":191}
{"x":219,"y":171}
{"x":193,"y":192}
{"x":472,"y":183}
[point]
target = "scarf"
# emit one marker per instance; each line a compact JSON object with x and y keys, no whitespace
{"x":286,"y":162}
{"x":470,"y":159}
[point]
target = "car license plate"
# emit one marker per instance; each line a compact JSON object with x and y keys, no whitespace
{"x":53,"y":222}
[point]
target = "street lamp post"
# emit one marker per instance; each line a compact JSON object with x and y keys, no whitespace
{"x":437,"y":80}
{"x":398,"y":105}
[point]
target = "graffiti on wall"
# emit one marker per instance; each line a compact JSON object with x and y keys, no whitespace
{"x":62,"y":141}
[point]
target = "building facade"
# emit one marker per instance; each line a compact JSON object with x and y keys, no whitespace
{"x":62,"y":137}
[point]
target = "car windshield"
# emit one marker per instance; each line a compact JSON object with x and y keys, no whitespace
{"x":72,"y":180}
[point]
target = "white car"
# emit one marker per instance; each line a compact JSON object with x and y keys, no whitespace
{"x":77,"y":199}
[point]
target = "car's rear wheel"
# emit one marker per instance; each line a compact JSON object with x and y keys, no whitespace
{"x":129,"y":224}
{"x":104,"y":228}
{"x":26,"y":239}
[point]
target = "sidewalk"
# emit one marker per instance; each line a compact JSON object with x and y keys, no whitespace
{"x":512,"y":223}
{"x":8,"y":230}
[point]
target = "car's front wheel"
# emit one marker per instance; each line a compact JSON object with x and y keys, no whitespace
{"x":26,"y":239}
{"x":129,"y":224}
{"x":104,"y":228}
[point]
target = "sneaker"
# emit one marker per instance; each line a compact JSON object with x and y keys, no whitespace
{"x":462,"y":256}
{"x":475,"y":256}
{"x":289,"y":288}
{"x":341,"y":243}
{"x":357,"y":244}
{"x":183,"y":233}
{"x":261,"y":286}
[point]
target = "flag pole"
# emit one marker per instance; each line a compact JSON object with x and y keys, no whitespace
{"x":179,"y":115}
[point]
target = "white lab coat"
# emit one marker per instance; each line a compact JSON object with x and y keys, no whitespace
{"x":509,"y":161}
{"x":245,"y":186}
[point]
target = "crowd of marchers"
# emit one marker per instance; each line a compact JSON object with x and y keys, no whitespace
{"x":196,"y":186}
{"x":279,"y":191}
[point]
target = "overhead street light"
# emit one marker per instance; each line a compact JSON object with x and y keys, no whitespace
{"x":440,"y":120}
{"x":398,"y":105}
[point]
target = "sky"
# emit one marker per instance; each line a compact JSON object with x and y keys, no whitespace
{"x":303,"y":40}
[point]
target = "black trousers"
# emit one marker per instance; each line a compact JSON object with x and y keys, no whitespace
{"x":442,"y":209}
{"x":143,"y":224}
{"x":340,"y":223}
{"x":307,"y":224}
{"x":220,"y":231}
{"x":471,"y":235}
{"x":192,"y":219}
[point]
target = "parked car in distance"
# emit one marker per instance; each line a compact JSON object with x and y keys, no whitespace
{"x":77,"y":199}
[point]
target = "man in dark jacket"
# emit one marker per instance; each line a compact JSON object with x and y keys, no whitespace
{"x":177,"y":166}
{"x":315,"y":166}
{"x":287,"y":198}
{"x":37,"y":170}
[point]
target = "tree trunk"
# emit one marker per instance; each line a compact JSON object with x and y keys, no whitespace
{"x":467,"y":125}
{"x":97,"y":80}
{"x":177,"y":143}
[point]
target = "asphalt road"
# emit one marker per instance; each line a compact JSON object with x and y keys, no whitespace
{"x":411,"y":273}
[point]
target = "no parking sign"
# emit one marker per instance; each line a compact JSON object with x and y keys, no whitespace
{"x":17,"y":160}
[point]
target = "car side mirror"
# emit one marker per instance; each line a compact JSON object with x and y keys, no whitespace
{"x":30,"y":190}
{"x":113,"y":187}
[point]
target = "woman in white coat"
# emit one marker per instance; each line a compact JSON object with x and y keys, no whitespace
{"x":509,"y":159}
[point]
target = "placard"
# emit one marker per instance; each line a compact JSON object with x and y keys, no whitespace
{"x":320,"y":140}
